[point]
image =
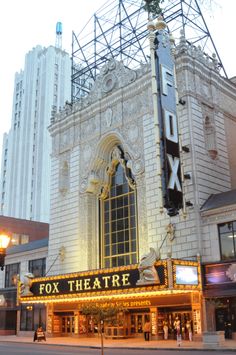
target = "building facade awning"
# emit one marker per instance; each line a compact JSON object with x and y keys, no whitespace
{"x":122,"y":283}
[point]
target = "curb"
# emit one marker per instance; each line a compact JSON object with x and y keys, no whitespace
{"x":222,"y":349}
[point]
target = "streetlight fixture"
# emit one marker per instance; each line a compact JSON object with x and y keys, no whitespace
{"x":4,"y":242}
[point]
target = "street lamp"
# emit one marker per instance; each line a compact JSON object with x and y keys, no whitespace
{"x":4,"y":242}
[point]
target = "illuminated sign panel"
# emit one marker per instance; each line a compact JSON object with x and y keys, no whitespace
{"x":168,"y":123}
{"x":224,"y":273}
{"x":92,"y":282}
{"x":186,"y":275}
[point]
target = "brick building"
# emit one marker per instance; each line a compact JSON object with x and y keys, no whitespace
{"x":27,"y":253}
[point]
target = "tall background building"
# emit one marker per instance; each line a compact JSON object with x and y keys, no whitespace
{"x":44,"y":85}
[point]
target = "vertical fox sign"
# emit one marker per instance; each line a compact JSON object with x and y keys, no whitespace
{"x":168,"y":123}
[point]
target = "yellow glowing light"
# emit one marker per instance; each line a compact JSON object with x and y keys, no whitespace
{"x":73,"y":298}
{"x":4,"y":240}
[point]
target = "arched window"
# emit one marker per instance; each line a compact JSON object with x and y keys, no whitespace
{"x":118,"y":219}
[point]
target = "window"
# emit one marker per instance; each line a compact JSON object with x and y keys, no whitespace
{"x":26,"y":318}
{"x":227,"y":236}
{"x":12,"y":270}
{"x":19,"y":239}
{"x":24,"y":238}
{"x":118,"y":213}
{"x":32,"y":316}
{"x":15,"y":240}
{"x":38,"y":267}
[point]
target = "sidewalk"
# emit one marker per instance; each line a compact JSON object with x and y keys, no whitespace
{"x":131,"y":343}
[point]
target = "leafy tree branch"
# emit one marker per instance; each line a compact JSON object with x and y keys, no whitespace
{"x":153,"y":7}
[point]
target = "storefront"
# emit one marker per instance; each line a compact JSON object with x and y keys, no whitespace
{"x":174,"y":299}
{"x":8,"y":311}
{"x":220,"y":297}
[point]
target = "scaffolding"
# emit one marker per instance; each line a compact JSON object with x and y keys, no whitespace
{"x":119,"y":30}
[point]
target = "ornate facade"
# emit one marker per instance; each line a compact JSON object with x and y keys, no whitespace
{"x":119,"y":113}
{"x":105,"y":191}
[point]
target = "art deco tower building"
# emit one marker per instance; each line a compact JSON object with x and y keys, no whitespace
{"x":43,"y":86}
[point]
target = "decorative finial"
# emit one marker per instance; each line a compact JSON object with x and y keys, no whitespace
{"x":160,"y":24}
{"x":150,"y":26}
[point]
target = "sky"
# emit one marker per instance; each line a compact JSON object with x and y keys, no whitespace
{"x":27,"y":23}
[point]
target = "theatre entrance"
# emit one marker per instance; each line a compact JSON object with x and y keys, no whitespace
{"x":137,"y":321}
{"x":68,"y":325}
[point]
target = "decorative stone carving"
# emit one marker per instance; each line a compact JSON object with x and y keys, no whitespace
{"x":210,"y":135}
{"x":147,"y":271}
{"x":113,"y":75}
{"x":83,"y":185}
{"x":108,"y":82}
{"x":116,"y":158}
{"x":170,"y":231}
{"x":25,"y":284}
{"x":93,"y":183}
{"x":62,"y":253}
{"x":108,"y":117}
{"x":64,"y":177}
{"x":137,"y":166}
{"x":111,"y":117}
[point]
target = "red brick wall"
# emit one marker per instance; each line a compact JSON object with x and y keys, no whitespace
{"x":35,"y":230}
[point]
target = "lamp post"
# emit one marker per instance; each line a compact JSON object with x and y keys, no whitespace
{"x":4,"y":242}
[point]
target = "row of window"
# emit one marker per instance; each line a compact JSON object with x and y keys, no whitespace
{"x":18,"y":239}
{"x":36,"y":267}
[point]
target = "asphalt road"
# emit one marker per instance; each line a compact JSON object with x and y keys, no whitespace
{"x":43,"y":349}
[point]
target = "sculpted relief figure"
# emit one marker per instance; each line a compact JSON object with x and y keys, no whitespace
{"x":147,"y":271}
{"x":25,"y":284}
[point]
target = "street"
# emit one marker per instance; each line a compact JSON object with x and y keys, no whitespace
{"x":44,"y":349}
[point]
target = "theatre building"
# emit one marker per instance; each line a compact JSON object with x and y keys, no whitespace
{"x":126,"y":224}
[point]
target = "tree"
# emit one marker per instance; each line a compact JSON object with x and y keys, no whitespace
{"x":100,"y":314}
{"x":153,"y":7}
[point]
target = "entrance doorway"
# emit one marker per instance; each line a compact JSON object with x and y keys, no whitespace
{"x":68,"y":325}
{"x":137,"y":321}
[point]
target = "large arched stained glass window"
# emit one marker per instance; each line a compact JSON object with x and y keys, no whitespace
{"x":118,"y":215}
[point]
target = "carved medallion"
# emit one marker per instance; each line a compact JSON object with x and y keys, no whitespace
{"x":108,"y":82}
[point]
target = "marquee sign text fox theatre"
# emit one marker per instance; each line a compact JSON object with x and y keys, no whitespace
{"x":168,"y":123}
